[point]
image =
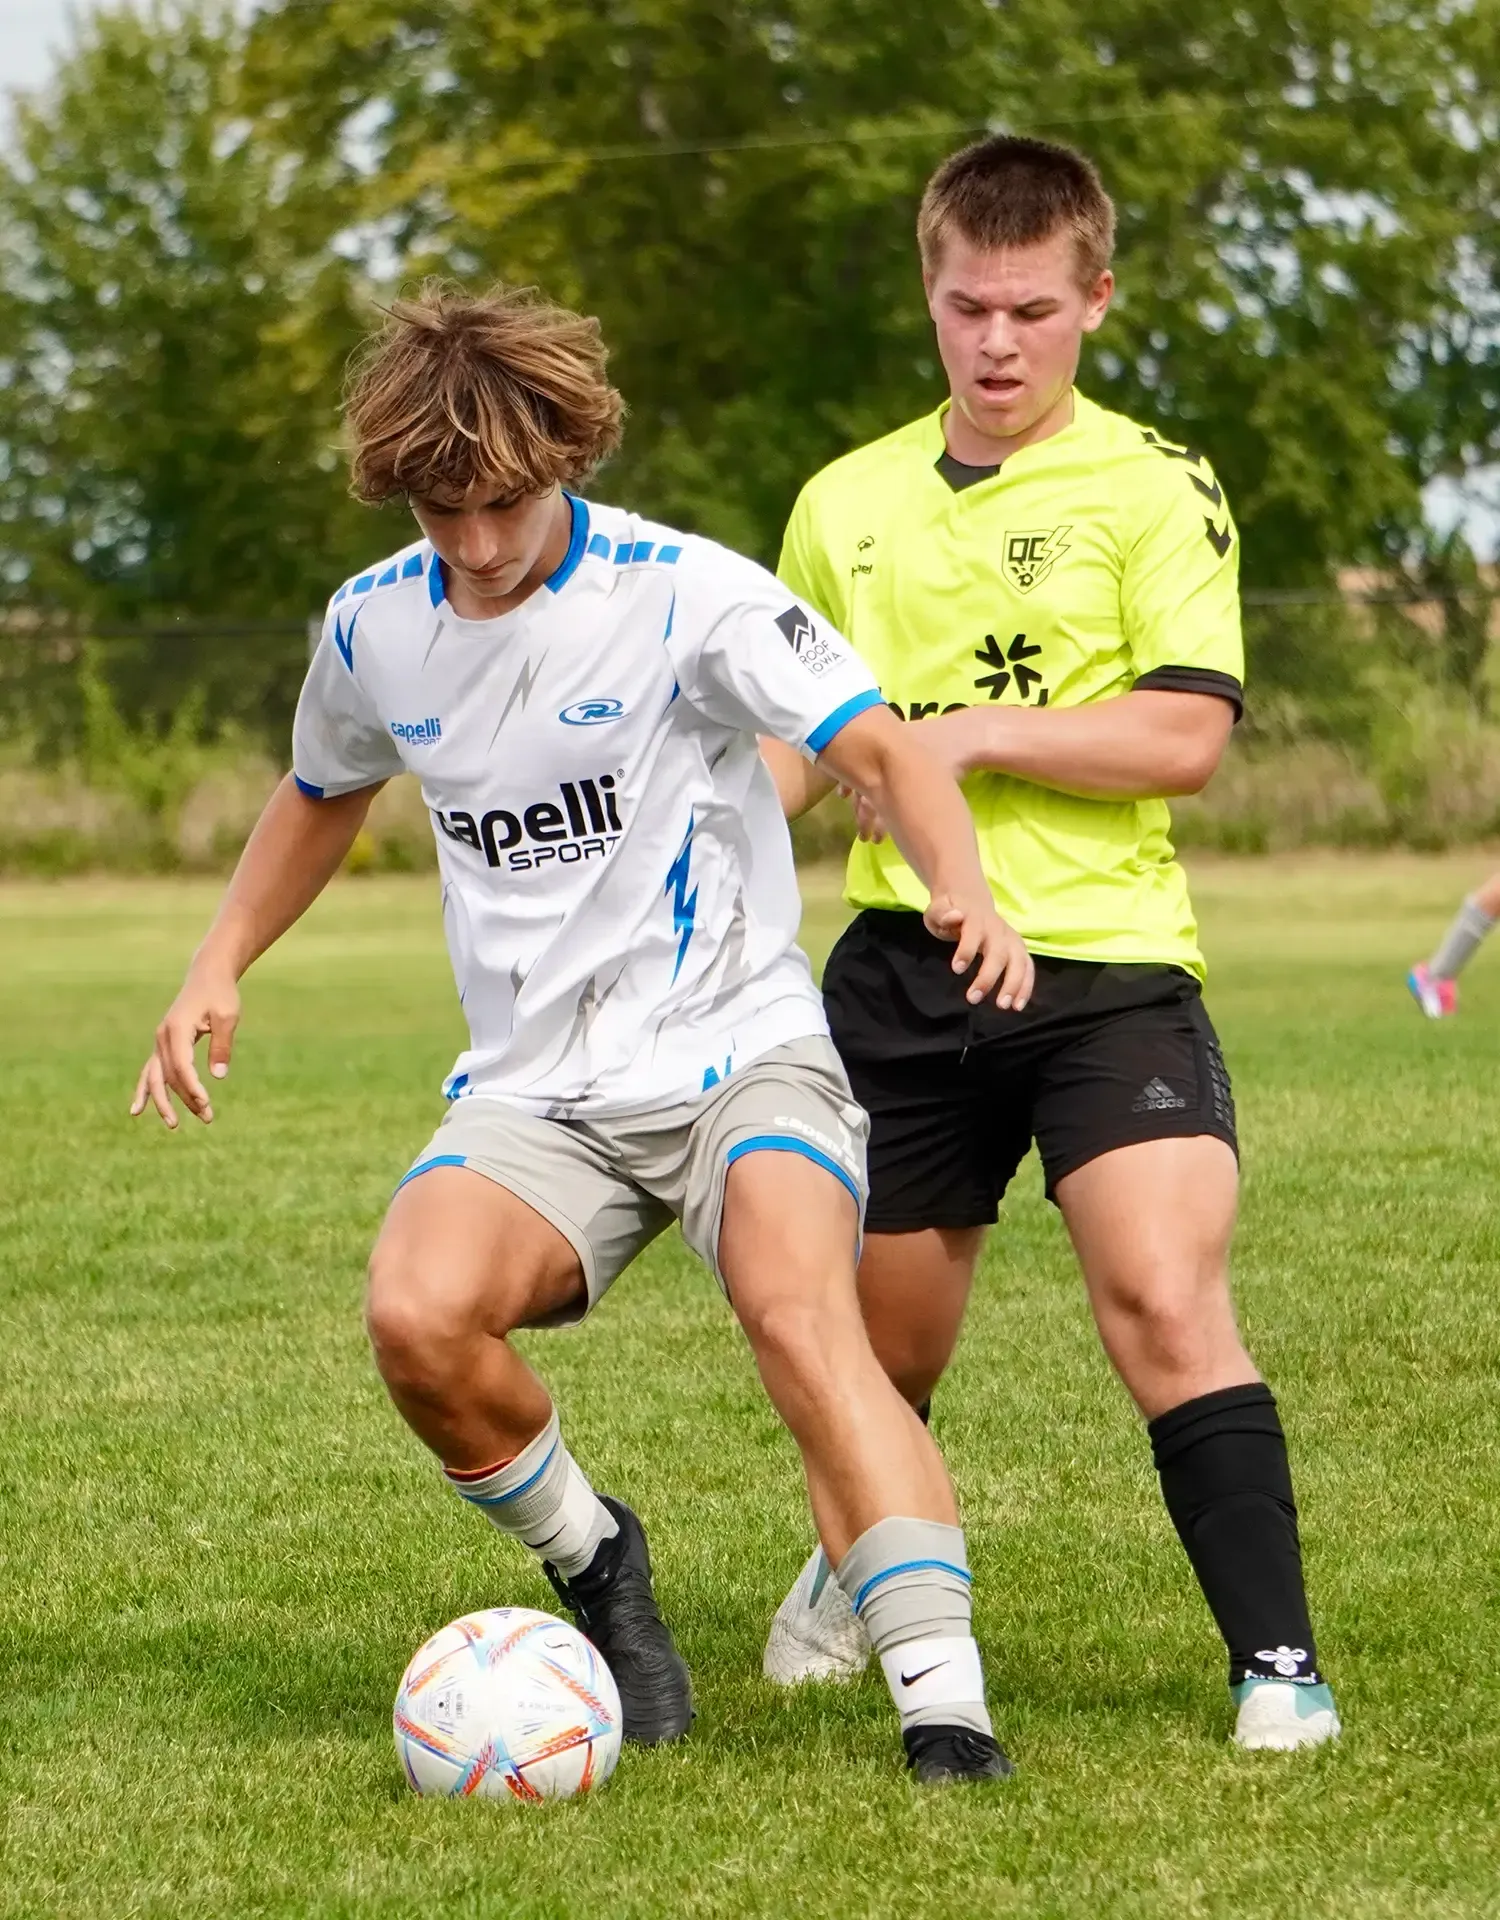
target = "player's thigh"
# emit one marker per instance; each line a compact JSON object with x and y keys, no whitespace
{"x":787,"y":1238}
{"x":507,"y":1219}
{"x":460,"y":1251}
{"x":771,"y":1185}
{"x":1151,"y":1222}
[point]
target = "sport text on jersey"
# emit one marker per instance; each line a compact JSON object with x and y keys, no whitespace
{"x":586,"y":826}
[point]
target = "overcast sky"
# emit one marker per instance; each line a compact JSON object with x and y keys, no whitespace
{"x":30,"y":33}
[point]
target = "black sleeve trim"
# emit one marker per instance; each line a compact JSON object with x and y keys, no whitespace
{"x":1195,"y":680}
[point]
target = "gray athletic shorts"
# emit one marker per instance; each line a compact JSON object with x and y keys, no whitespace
{"x":610,"y":1186}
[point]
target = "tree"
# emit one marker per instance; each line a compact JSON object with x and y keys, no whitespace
{"x":1307,"y":232}
{"x":172,"y":324}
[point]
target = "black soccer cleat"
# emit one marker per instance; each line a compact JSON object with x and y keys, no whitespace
{"x":615,"y":1608}
{"x":947,"y":1756}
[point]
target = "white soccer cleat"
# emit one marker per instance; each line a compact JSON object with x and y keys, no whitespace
{"x":816,"y":1634}
{"x":1276,"y":1715}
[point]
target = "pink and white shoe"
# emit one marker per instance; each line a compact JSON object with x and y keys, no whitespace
{"x":1438,"y":998}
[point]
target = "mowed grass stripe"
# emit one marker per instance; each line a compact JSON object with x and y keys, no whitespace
{"x":218,"y":1546}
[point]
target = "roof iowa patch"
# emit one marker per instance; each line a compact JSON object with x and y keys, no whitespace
{"x":1030,"y":557}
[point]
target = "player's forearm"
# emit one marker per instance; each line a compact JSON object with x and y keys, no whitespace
{"x":297,"y":846}
{"x":799,"y":784}
{"x":1137,"y":746}
{"x":917,"y":799}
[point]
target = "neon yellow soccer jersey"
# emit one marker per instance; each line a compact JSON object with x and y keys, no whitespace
{"x":1098,"y":560}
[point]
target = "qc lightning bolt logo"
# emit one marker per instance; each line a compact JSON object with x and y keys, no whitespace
{"x":1030,"y":557}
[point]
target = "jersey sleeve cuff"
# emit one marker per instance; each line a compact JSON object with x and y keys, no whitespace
{"x":841,"y":716}
{"x":1194,"y":680}
{"x":338,"y":789}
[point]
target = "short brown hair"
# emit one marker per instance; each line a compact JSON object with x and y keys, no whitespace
{"x":458,"y":389}
{"x":1010,"y":192}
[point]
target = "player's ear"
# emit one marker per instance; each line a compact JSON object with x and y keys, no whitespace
{"x":1096,"y":302}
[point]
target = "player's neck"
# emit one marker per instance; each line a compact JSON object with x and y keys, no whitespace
{"x":469,"y":604}
{"x":974,"y":448}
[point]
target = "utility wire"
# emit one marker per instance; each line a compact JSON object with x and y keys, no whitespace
{"x":944,"y":128}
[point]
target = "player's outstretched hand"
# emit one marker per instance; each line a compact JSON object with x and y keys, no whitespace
{"x":208,"y":1004}
{"x":980,"y":934}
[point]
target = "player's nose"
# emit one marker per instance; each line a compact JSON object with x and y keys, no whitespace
{"x":477,"y":546}
{"x":999,"y":338}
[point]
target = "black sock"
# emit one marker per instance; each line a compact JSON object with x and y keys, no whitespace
{"x":1225,"y":1479}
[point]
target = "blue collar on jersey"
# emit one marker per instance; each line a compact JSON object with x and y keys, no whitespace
{"x":578,"y":539}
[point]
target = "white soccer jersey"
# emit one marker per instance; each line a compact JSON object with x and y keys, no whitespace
{"x":618,"y":892}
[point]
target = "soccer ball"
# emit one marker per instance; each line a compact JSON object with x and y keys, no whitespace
{"x":508,"y":1704}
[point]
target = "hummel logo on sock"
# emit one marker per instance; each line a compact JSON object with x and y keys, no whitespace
{"x":1156,"y":1097}
{"x":1286,"y":1660}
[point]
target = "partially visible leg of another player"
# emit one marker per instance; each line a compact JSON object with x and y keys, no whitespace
{"x":460,"y":1264}
{"x":879,"y":1491}
{"x":1434,"y":983}
{"x":1151,"y":1225}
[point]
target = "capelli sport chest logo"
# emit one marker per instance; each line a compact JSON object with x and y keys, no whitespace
{"x":417,"y":733}
{"x":582,"y":823}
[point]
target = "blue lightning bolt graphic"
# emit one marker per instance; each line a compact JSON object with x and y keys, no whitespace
{"x":345,"y":642}
{"x":684,"y":904}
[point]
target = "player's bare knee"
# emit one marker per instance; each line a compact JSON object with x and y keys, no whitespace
{"x":1166,"y":1316}
{"x":420,"y":1324}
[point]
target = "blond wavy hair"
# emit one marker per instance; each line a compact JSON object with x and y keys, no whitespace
{"x":457,"y":389}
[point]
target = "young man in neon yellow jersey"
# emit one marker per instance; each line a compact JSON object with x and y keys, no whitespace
{"x":1051,"y":592}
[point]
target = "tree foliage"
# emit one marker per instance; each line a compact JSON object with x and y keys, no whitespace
{"x":1308,"y":235}
{"x":171,"y":329}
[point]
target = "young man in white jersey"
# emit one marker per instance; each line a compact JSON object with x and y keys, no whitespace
{"x":579,"y":692}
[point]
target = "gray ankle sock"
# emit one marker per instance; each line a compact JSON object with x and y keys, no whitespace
{"x":543,"y":1499}
{"x":1470,"y":925}
{"x":908,"y":1580}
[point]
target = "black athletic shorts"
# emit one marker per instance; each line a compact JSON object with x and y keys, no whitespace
{"x":1103,"y":1056}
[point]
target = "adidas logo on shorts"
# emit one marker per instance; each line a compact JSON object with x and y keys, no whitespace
{"x":1156,"y":1097}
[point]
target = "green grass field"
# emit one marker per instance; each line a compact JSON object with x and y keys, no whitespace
{"x":218,"y":1545}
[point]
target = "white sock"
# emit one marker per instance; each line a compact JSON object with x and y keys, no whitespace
{"x":543,"y":1499}
{"x":908,"y":1580}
